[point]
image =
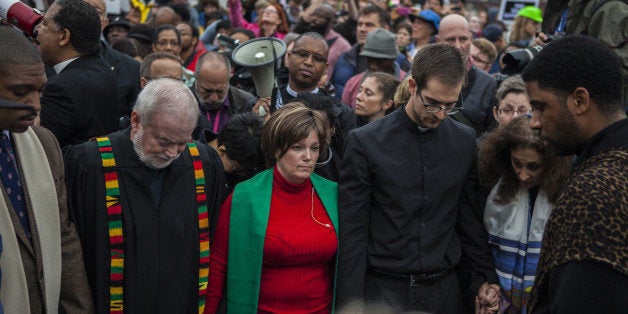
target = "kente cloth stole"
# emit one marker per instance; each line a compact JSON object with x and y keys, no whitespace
{"x":115,"y":225}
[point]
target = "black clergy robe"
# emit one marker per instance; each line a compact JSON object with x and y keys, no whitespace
{"x":161,"y":242}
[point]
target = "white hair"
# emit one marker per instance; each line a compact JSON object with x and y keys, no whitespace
{"x":169,"y":95}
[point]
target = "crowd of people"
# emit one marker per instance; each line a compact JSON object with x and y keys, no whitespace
{"x":394,"y":168}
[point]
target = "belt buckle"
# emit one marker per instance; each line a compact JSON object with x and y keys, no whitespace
{"x":419,"y":280}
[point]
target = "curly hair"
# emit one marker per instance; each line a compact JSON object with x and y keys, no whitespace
{"x":494,"y":161}
{"x":579,"y":61}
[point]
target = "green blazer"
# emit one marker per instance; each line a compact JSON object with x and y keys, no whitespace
{"x":250,"y":208}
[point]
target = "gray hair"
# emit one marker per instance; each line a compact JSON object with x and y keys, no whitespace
{"x":513,"y":84}
{"x":212,"y":56}
{"x":166,"y":95}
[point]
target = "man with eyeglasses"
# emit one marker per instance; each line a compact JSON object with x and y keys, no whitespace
{"x":81,"y":101}
{"x":408,"y":200}
{"x":217,"y":99}
{"x":306,"y":65}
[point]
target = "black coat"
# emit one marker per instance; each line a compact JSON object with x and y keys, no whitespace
{"x":81,"y":102}
{"x":161,"y":241}
{"x":408,"y":201}
{"x":127,"y":72}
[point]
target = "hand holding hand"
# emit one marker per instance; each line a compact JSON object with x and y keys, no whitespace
{"x":487,"y":300}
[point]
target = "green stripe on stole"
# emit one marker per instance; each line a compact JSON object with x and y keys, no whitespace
{"x":250,"y":209}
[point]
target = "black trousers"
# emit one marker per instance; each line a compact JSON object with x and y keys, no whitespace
{"x":396,"y":296}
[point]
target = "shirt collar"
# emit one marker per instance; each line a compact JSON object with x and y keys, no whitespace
{"x":60,"y":66}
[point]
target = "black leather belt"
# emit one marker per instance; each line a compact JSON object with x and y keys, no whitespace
{"x":415,"y":280}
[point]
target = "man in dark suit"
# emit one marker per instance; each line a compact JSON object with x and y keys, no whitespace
{"x":126,"y":69}
{"x":82,"y":100}
{"x":42,"y":263}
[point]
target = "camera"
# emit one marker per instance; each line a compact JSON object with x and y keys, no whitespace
{"x":21,"y":16}
{"x":516,"y":60}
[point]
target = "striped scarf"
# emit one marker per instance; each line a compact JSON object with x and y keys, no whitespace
{"x":116,"y":228}
{"x":515,"y":232}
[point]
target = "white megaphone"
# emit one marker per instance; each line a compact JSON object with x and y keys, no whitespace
{"x":258,"y":56}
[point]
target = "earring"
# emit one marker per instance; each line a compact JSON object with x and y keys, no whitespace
{"x":576,"y":102}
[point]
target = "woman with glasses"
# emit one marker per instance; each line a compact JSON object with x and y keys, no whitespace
{"x":524,"y":177}
{"x":375,"y":97}
{"x":512,"y":101}
{"x":272,"y":22}
{"x":275,"y":240}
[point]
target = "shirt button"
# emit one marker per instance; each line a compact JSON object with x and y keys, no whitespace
{"x":424,"y":169}
{"x":422,"y":225}
{"x":425,"y":198}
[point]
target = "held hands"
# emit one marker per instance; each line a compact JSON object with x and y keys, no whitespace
{"x":487,"y":300}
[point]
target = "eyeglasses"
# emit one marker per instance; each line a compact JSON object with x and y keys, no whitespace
{"x":449,"y":109}
{"x":270,"y":11}
{"x":164,"y":43}
{"x":476,"y":59}
{"x":510,"y":112}
{"x":304,"y":54}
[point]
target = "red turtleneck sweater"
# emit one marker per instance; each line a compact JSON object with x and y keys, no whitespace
{"x":297,"y":265}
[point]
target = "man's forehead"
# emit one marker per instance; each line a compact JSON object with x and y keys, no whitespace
{"x":370,"y":17}
{"x":312,"y":44}
{"x":165,"y":65}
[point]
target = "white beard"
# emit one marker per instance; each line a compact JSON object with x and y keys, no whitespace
{"x":151,"y":161}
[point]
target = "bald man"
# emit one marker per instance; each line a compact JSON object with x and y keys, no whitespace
{"x":477,"y":95}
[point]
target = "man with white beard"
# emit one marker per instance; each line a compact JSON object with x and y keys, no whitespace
{"x":142,"y":200}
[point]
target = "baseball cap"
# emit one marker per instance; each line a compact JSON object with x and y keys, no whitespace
{"x":492,"y":32}
{"x":380,"y":44}
{"x":428,"y":16}
{"x":532,"y":13}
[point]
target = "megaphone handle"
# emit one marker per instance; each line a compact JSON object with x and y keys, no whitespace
{"x":273,"y":98}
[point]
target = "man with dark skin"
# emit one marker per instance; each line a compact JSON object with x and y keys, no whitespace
{"x":42,"y":263}
{"x":575,"y":89}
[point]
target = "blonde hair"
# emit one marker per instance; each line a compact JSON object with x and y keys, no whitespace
{"x":402,"y":95}
{"x":517,"y":30}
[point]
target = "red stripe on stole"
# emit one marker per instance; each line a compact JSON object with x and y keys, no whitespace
{"x":111,"y":176}
{"x":201,"y":197}
{"x":114,"y":210}
{"x":197,"y":164}
{"x":116,"y":239}
{"x":105,"y":149}
{"x":116,"y":277}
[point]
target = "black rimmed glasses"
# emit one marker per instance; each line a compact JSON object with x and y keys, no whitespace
{"x":449,"y":109}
